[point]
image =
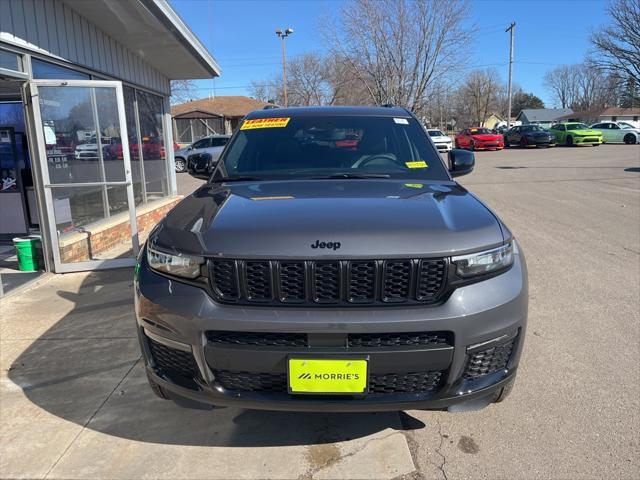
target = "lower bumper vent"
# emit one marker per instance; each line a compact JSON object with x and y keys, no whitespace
{"x":172,"y":361}
{"x":488,"y":361}
{"x":391,"y":383}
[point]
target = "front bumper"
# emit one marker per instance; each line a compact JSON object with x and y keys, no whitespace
{"x":489,"y":146}
{"x":485,"y":324}
{"x":444,"y":146}
{"x":587,"y":140}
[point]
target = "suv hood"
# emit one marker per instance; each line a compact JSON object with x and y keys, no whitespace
{"x":368,"y":218}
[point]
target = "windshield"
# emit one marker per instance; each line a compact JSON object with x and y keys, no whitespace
{"x":625,"y":125}
{"x":480,"y":131}
{"x":532,"y":128}
{"x":577,"y":126}
{"x":436,"y":133}
{"x":324,"y":146}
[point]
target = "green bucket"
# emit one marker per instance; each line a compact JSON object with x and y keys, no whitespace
{"x":28,"y":250}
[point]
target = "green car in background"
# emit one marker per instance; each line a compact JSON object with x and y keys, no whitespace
{"x":575,"y":133}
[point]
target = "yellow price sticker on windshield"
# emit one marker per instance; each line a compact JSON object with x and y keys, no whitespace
{"x":413,"y":185}
{"x":419,"y":164}
{"x":265,"y":123}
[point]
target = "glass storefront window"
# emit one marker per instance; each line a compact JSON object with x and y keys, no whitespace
{"x":45,"y":70}
{"x":150,"y":113}
{"x":78,"y":149}
{"x":10,"y":61}
{"x":134,"y":153}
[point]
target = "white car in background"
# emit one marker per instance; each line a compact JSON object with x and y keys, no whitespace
{"x":442,"y":141}
{"x":629,"y":123}
{"x":617,"y":132}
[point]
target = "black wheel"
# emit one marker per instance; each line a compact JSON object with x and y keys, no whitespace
{"x":181,"y":165}
{"x":523,"y":143}
{"x":504,"y":392}
{"x":569,"y":141}
{"x":629,"y":138}
{"x":472,"y":146}
{"x":157,"y":389}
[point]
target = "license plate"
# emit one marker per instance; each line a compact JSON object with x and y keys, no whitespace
{"x":330,"y":376}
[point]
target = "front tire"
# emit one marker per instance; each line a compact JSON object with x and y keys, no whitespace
{"x":472,"y":146}
{"x":181,"y":165}
{"x":569,"y":141}
{"x":629,"y":139}
{"x":523,"y":143}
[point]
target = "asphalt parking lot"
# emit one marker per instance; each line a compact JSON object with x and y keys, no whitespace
{"x":75,"y":404}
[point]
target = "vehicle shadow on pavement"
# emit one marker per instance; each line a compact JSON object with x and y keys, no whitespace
{"x":86,"y":368}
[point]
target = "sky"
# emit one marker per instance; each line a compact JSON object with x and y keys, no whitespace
{"x":241,"y":36}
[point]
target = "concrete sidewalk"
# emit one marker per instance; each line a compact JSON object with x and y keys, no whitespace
{"x":75,"y":404}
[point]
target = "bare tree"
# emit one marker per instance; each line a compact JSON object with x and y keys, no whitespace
{"x":314,"y":80}
{"x":267,"y":91}
{"x":562,"y":82}
{"x":478,"y":96}
{"x":397,"y":49}
{"x":583,"y":87}
{"x":183,"y":91}
{"x":595,"y":89}
{"x":618,"y":45}
{"x":309,"y":81}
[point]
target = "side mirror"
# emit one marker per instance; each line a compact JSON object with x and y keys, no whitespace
{"x":461,"y":162}
{"x":189,"y":148}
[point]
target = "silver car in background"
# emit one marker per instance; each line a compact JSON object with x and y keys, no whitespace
{"x":213,"y":144}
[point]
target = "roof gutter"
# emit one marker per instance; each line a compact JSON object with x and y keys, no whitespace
{"x":163,"y":12}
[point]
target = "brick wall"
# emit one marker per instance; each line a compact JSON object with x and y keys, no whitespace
{"x":107,"y":242}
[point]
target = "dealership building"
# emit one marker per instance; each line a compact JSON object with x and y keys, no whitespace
{"x":86,"y":141}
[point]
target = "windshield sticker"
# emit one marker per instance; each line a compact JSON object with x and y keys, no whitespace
{"x":419,"y":164}
{"x":401,"y":121}
{"x":265,"y":123}
{"x":413,"y":185}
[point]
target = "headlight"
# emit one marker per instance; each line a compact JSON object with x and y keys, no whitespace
{"x":485,"y":262}
{"x":178,"y":265}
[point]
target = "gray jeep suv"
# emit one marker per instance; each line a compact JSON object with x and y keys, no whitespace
{"x":331,"y":263}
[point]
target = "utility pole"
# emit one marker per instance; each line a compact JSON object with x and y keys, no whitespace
{"x":283,"y":36}
{"x":511,"y":30}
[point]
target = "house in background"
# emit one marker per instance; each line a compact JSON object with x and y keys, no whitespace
{"x":209,"y":116}
{"x":544,"y":117}
{"x":492,"y":121}
{"x":584,"y":116}
{"x":614,"y":114}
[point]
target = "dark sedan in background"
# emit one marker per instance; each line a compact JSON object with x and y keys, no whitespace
{"x":529,"y":136}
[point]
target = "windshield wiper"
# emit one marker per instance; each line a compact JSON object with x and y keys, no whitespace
{"x":348,"y":175}
{"x":239,"y":178}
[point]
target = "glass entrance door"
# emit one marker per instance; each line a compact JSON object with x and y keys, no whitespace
{"x":84,"y":170}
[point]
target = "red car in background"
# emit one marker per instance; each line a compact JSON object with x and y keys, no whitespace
{"x":479,"y":138}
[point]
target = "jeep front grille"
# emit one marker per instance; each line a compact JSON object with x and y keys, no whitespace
{"x":328,"y":282}
{"x":353,"y":340}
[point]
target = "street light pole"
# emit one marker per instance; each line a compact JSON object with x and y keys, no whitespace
{"x":511,"y":30}
{"x":283,"y":35}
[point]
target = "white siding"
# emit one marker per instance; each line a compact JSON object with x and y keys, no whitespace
{"x":52,"y":28}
